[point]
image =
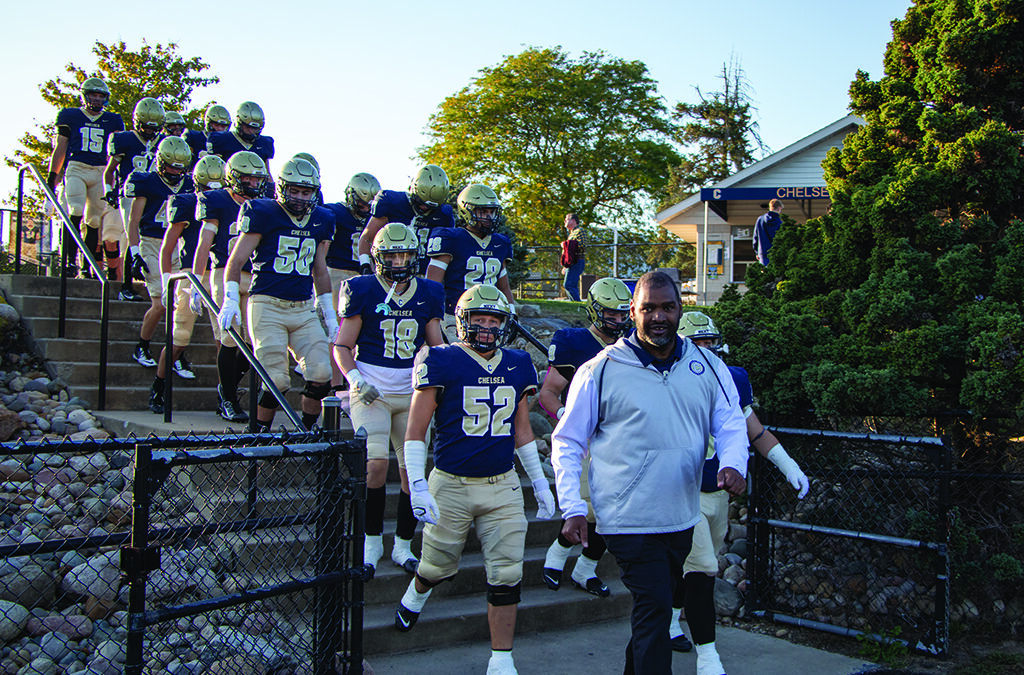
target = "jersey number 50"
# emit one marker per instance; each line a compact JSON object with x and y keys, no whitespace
{"x":479,"y":420}
{"x":289,"y":259}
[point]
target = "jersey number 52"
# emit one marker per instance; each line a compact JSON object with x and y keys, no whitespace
{"x":479,"y":420}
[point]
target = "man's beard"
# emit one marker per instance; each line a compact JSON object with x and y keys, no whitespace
{"x":657,"y":341}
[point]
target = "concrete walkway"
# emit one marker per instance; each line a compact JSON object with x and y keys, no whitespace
{"x":596,"y":649}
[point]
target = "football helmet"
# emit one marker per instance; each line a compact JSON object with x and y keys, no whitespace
{"x":609,"y":294}
{"x":246,"y":174}
{"x":360,"y":191}
{"x":396,"y":238}
{"x":210,"y":172}
{"x":429,"y":189}
{"x":149,"y":117}
{"x":216,"y":114}
{"x":249,"y":121}
{"x":173,"y":153}
{"x":95,"y":85}
{"x":479,"y":196}
{"x":297,"y":173}
{"x":699,"y":326}
{"x":482,"y":299}
{"x":309,"y":158}
{"x":174,"y":123}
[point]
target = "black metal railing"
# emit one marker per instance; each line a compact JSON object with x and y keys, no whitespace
{"x":69,"y":233}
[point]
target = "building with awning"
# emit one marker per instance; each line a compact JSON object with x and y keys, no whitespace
{"x":719,"y":220}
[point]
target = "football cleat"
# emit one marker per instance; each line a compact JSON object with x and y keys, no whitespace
{"x":405,"y":618}
{"x":681,"y":643}
{"x":129,"y":295}
{"x":552,"y":578}
{"x":229,"y":409}
{"x":156,"y":400}
{"x":594,"y":586}
{"x":183,"y":368}
{"x":141,"y":354}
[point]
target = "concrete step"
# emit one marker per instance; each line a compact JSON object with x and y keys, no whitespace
{"x":50,"y":286}
{"x":133,"y":374}
{"x":119,"y":349}
{"x":79,"y":308}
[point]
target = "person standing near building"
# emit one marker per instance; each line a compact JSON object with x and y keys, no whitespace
{"x":478,"y":390}
{"x":644,"y":408}
{"x":574,"y":250}
{"x":765,"y":229}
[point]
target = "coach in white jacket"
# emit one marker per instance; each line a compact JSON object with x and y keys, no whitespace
{"x":644,"y":408}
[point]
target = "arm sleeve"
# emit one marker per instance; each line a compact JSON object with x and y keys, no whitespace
{"x":569,"y":442}
{"x":728,"y":425}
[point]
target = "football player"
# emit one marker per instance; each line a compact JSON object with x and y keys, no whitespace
{"x":81,"y":145}
{"x":476,"y":391}
{"x":287,"y":238}
{"x":350,"y":218}
{"x":696,"y":593}
{"x":608,"y":311}
{"x":473,"y":254}
{"x":216,"y":118}
{"x":247,"y":134}
{"x":183,"y":226}
{"x":218,"y":209}
{"x":174,"y":125}
{"x":149,"y":192}
{"x":423,"y":208}
{"x":386,"y":318}
{"x":129,"y":151}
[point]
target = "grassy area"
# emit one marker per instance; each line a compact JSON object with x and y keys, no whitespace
{"x":573,"y":312}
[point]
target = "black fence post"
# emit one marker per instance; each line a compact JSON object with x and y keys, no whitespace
{"x":758,"y":515}
{"x":134,"y":563}
{"x":943,"y":571}
{"x":329,"y":634}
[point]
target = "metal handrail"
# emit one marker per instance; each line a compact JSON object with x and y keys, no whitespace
{"x":257,"y":367}
{"x":68,"y":228}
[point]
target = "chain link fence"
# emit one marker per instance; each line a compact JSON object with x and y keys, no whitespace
{"x":230,"y":554}
{"x":902,"y":537}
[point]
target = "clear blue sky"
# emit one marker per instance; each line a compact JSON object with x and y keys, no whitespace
{"x":355,"y":83}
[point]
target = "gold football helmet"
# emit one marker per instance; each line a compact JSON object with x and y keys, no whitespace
{"x":612,"y":295}
{"x":429,"y":189}
{"x":216,"y":114}
{"x":95,"y":94}
{"x":210,"y":172}
{"x":301,"y":173}
{"x":246,"y":174}
{"x":149,"y":117}
{"x":483,"y":299}
{"x":478,"y":196}
{"x":172,"y":159}
{"x":249,"y":121}
{"x":396,"y":238}
{"x":360,"y":192}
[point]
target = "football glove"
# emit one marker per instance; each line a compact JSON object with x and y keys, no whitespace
{"x":423,"y":505}
{"x":138,"y":262}
{"x":788,"y":466}
{"x":229,"y":311}
{"x":360,"y":388}
{"x":545,"y":500}
{"x":366,"y":265}
{"x":110,"y":196}
{"x":195,"y":302}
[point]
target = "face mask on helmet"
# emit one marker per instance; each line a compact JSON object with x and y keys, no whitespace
{"x":95,"y":95}
{"x":246,"y":174}
{"x":608,"y":306}
{"x":613,"y":323}
{"x":482,"y":331}
{"x":361,"y":190}
{"x":395,"y":251}
{"x":297,"y":199}
{"x":174,"y":124}
{"x":172,"y":158}
{"x":421,"y":207}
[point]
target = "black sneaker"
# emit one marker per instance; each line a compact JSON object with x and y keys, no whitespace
{"x":552,"y":578}
{"x":141,"y":354}
{"x":129,"y":295}
{"x":405,"y":618}
{"x":231,"y":411}
{"x":183,"y":368}
{"x":156,"y":400}
{"x":594,"y":586}
{"x":681,"y":643}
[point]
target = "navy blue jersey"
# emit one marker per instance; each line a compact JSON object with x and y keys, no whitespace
{"x":474,"y":260}
{"x":709,"y":481}
{"x":282,"y":264}
{"x":152,"y":188}
{"x":391,"y":333}
{"x":474,"y":424}
{"x":182,"y":209}
{"x":87,"y":136}
{"x":135,"y":153}
{"x":572,"y":347}
{"x":225,"y":143}
{"x":197,"y":142}
{"x":344,"y":251}
{"x":396,"y":208}
{"x":219,"y":205}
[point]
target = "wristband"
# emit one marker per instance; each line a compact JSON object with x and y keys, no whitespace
{"x":365,"y":259}
{"x":434,"y":262}
{"x":415,"y":460}
{"x":107,"y":188}
{"x":531,"y":460}
{"x":355,"y":378}
{"x":780,"y":458}
{"x":561,"y":411}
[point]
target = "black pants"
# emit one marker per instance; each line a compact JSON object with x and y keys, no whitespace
{"x":651,"y":565}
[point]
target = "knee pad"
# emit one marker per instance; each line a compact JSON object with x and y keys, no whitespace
{"x":115,"y":254}
{"x":502,"y":596}
{"x":316,"y":390}
{"x":430,"y":584}
{"x":267,"y":400}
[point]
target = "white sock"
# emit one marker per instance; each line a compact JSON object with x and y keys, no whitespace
{"x":501,"y":662}
{"x":557,"y":555}
{"x":413,"y":600}
{"x":674,"y":629}
{"x":373,"y":549}
{"x":584,"y":569}
{"x":402,"y":551}
{"x":708,"y":662}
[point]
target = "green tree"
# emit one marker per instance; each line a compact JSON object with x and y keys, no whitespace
{"x":722,"y":131}
{"x":158,"y":71}
{"x":553,"y":134}
{"x":908,"y":298}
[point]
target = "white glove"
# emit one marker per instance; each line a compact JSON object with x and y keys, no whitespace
{"x":195,"y":301}
{"x":788,"y":466}
{"x":423,"y":505}
{"x":323,"y":303}
{"x":229,"y":311}
{"x":545,"y":500}
{"x":363,"y":390}
{"x":164,"y":276}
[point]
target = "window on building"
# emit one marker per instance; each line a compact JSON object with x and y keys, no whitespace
{"x":742,"y":256}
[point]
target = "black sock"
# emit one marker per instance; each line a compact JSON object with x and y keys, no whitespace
{"x":405,"y":527}
{"x":700,"y":607}
{"x":144,"y":344}
{"x":158,"y":384}
{"x":595,"y":543}
{"x":309,"y":419}
{"x":375,"y":498}
{"x":242,"y":367}
{"x":226,"y":371}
